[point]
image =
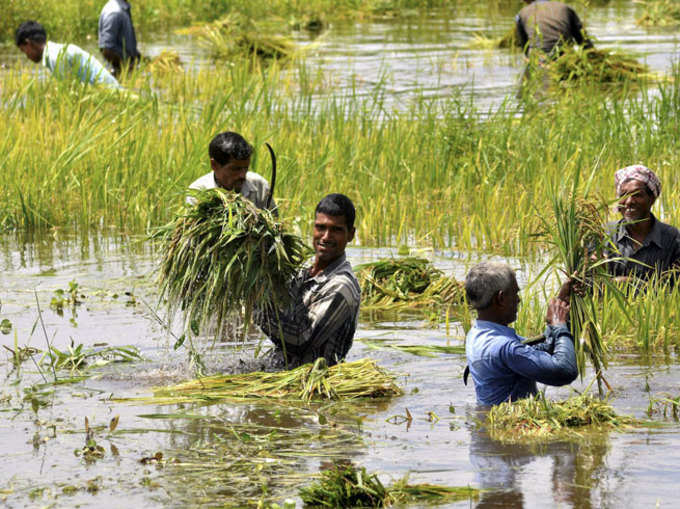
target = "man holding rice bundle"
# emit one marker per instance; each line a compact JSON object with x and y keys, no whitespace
{"x":324,"y":310}
{"x":230,"y":159}
{"x":502,"y":366}
{"x":647,"y":247}
{"x":62,"y":60}
{"x":544,"y":25}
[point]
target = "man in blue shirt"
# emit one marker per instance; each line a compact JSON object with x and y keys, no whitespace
{"x":117,"y":38}
{"x":62,"y":60}
{"x":502,"y":366}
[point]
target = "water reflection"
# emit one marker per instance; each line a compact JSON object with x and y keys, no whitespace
{"x":575,"y":470}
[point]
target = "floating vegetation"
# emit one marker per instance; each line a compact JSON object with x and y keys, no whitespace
{"x":71,"y":297}
{"x":536,"y":419}
{"x":77,"y":358}
{"x":659,"y":13}
{"x":222,"y":254}
{"x":405,"y":282}
{"x":344,"y":381}
{"x":577,"y":65}
{"x":345,"y":486}
{"x":420,"y":350}
{"x":236,"y":34}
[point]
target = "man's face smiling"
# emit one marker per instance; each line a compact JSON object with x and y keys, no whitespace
{"x":635,"y":203}
{"x":232,"y":175}
{"x":331,"y":235}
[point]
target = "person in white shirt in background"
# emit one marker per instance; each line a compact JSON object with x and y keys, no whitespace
{"x":62,"y":60}
{"x":230,"y":159}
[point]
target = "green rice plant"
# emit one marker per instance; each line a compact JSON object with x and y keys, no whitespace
{"x":576,"y":234}
{"x":405,"y":282}
{"x":344,"y":485}
{"x":536,"y":419}
{"x":223,"y":254}
{"x":659,"y":13}
{"x":310,"y":382}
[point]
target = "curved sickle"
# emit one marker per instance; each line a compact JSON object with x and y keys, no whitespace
{"x":273,"y":183}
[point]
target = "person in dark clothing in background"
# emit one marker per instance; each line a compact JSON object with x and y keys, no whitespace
{"x":545,"y":25}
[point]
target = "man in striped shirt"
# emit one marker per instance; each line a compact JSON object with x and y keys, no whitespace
{"x":324,"y":309}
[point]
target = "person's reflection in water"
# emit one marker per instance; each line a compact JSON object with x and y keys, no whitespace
{"x":577,"y":468}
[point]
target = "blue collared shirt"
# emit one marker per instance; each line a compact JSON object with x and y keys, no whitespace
{"x":69,"y":60}
{"x":503,"y":368}
{"x":116,"y":31}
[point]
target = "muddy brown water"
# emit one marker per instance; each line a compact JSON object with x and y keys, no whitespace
{"x":227,"y":454}
{"x":230,"y":454}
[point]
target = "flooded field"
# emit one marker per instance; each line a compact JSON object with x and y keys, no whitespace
{"x":236,"y":454}
{"x":78,"y":436}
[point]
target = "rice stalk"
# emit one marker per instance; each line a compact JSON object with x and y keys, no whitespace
{"x":579,"y":243}
{"x":310,"y":382}
{"x":536,"y":419}
{"x":222,"y":255}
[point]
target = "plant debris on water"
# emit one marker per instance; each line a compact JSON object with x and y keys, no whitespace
{"x":406,"y":282}
{"x":223,"y":255}
{"x":347,"y":380}
{"x":537,"y":419}
{"x":419,"y":350}
{"x":344,"y":485}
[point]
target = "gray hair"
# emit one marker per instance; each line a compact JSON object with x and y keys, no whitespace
{"x":485,"y":280}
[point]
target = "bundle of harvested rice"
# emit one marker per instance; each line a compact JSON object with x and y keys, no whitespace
{"x":344,"y":486}
{"x":579,"y":241}
{"x":223,"y":254}
{"x":344,"y":381}
{"x":407,"y":281}
{"x":536,"y":419}
{"x":507,"y":41}
{"x":167,"y":61}
{"x":577,"y":65}
{"x":659,"y":13}
{"x":236,"y":34}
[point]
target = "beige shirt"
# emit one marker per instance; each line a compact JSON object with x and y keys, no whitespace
{"x":255,"y":189}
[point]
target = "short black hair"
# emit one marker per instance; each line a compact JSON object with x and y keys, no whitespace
{"x":337,"y":205}
{"x":30,"y":31}
{"x":228,"y":146}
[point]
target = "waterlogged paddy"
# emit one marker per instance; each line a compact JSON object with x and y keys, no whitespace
{"x":430,"y":54}
{"x":234,"y":454}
